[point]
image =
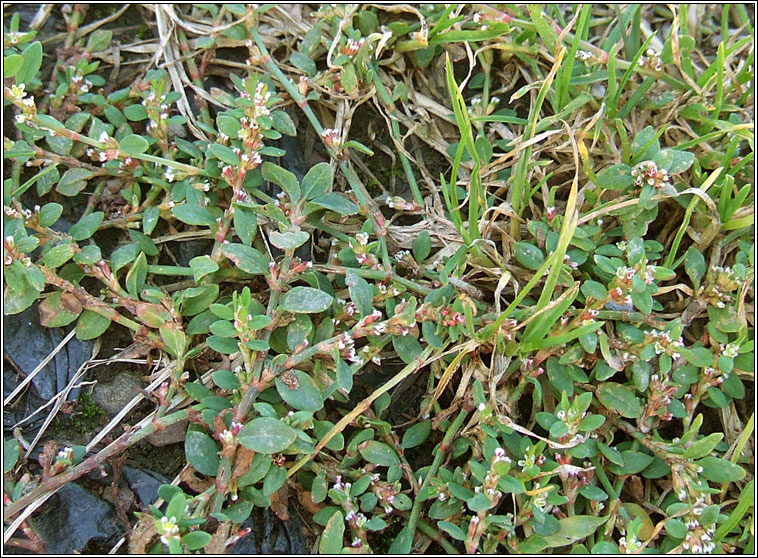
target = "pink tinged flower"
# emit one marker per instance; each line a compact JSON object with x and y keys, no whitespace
{"x":331,"y":137}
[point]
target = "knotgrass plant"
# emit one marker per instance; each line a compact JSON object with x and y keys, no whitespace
{"x":605,"y":414}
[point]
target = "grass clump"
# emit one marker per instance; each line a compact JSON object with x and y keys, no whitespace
{"x":558,"y":265}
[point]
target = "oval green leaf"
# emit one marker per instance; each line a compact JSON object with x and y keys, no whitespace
{"x":619,"y":398}
{"x":266,"y":435}
{"x":246,"y":258}
{"x":91,"y":325}
{"x":303,"y":395}
{"x":378,"y":453}
{"x":202,"y":453}
{"x":306,"y":300}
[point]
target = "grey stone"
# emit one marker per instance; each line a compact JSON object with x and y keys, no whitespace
{"x":172,"y":434}
{"x":74,"y":520}
{"x":115,"y":395}
{"x":144,"y":484}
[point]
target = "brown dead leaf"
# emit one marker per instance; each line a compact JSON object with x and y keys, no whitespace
{"x":306,"y":500}
{"x":188,"y":477}
{"x":243,"y":461}
{"x":142,"y":535}
{"x":636,"y":489}
{"x":217,"y":545}
{"x":279,"y":503}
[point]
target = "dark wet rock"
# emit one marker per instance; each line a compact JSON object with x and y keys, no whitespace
{"x":114,"y":396}
{"x":294,"y":161}
{"x":185,"y":251}
{"x":172,"y":434}
{"x":75,"y":520}
{"x":23,"y":405}
{"x":27,"y":343}
{"x":271,"y":535}
{"x":144,"y":484}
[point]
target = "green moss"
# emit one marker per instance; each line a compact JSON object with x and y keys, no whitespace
{"x":86,"y":417}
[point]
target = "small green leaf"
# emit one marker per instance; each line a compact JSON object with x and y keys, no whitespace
{"x":196,"y":540}
{"x":378,"y":453}
{"x":529,"y":255}
{"x":616,"y":177}
{"x":416,"y":434}
{"x":150,"y":218}
{"x":720,"y":470}
{"x":224,"y":154}
{"x":226,"y":379}
{"x":49,"y":214}
{"x":135,"y":279}
{"x":453,"y":530}
{"x":245,"y":224}
{"x":32,"y":63}
{"x":634,"y":462}
{"x":87,"y":226}
{"x":317,"y":181}
{"x":361,"y":293}
{"x":91,"y":325}
{"x":407,"y":347}
{"x":133,"y":145}
{"x":594,"y":289}
{"x":266,"y":435}
{"x":11,"y":451}
{"x":335,"y":202}
{"x":676,"y":528}
{"x":591,"y":422}
{"x":348,"y":78}
{"x":288,"y":240}
{"x":246,"y":258}
{"x":344,"y":376}
{"x":422,"y":246}
{"x":283,"y":123}
{"x":299,"y":391}
{"x":402,"y":543}
{"x":175,"y":340}
{"x":12,"y":64}
{"x":124,"y":255}
{"x":620,"y":399}
{"x":176,"y":505}
{"x":574,"y":528}
{"x":305,"y":64}
{"x":673,"y":160}
{"x":58,"y":255}
{"x":223,"y":345}
{"x":189,"y":148}
{"x":193,"y":215}
{"x":283,"y":178}
{"x":135,"y":113}
{"x":202,"y":266}
{"x":306,"y":300}
{"x":358,"y":146}
{"x":698,"y":356}
{"x":99,"y":40}
{"x":228,"y":125}
{"x":73,"y":181}
{"x":703,"y":446}
{"x":274,"y":480}
{"x":331,"y":537}
{"x":202,"y":453}
{"x":479,"y":503}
